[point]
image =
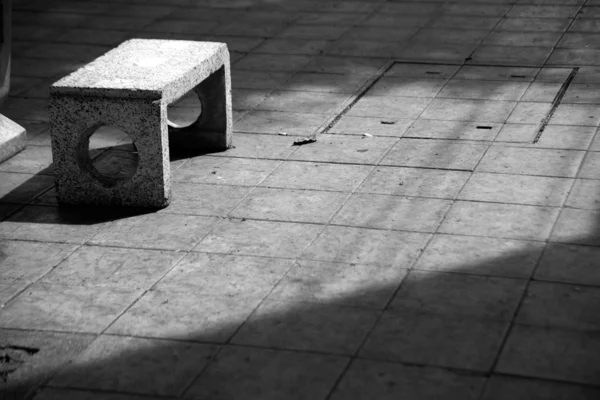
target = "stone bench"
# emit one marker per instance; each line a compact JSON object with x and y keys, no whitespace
{"x":130,"y":88}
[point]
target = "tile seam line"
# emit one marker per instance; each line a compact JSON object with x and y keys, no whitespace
{"x":546,"y":242}
{"x":563,"y":203}
{"x":386,"y":307}
{"x":469,"y":57}
{"x":572,"y":19}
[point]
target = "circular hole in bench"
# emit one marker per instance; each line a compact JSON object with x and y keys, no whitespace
{"x":185,"y":111}
{"x":114,"y":157}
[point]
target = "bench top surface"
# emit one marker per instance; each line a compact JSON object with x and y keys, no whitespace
{"x":142,"y":65}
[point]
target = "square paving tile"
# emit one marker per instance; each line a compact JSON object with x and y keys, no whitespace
{"x":448,"y":341}
{"x":390,"y":381}
{"x":307,"y":326}
{"x":241,"y":372}
{"x":516,"y":74}
{"x":273,"y":62}
{"x":22,"y":188}
{"x":468,"y":110}
{"x":114,"y":267}
{"x":291,"y":46}
{"x":348,"y":125}
{"x":484,"y":90}
{"x":435,"y":154}
{"x":432,"y":129}
{"x":205,"y":199}
{"x":412,"y":70}
{"x":407,"y":87}
{"x":66,"y":308}
{"x":589,"y":168}
{"x":185,"y":315}
{"x":366,"y":246}
{"x":585,"y":194}
{"x":567,"y":137}
{"x":514,"y":160}
{"x":555,"y":354}
{"x":260,"y":238}
{"x":359,"y":285}
{"x":436,"y":52}
{"x":576,"y":114}
{"x":317,"y":176}
{"x":480,"y":256}
{"x":574,"y":57}
{"x":74,"y":394}
{"x":124,"y":364}
{"x":7,"y":209}
{"x":458,"y":294}
{"x":529,"y":113}
{"x":449,"y":36}
{"x":224,"y":275}
{"x":519,"y":25}
{"x":364,"y":48}
{"x":507,"y":38}
{"x":500,"y":220}
{"x":581,"y":93}
{"x":224,"y":171}
{"x":577,"y":226}
{"x":389,"y":107}
{"x":327,"y":83}
{"x":28,"y":261}
{"x":570,"y":263}
{"x":517,"y":133}
{"x":242,"y":79}
{"x":392,"y":212}
{"x":345,"y":65}
{"x":345,"y":149}
{"x":275,"y":122}
{"x":8,"y":291}
{"x":261,"y":146}
{"x":70,"y":225}
{"x":32,"y":160}
{"x":37,"y":356}
{"x":542,"y":91}
{"x":542,"y":11}
{"x":156,"y":231}
{"x":512,"y":55}
{"x":302,"y":31}
{"x":518,"y":189}
{"x":303,"y":102}
{"x":290,"y":205}
{"x":561,"y":305}
{"x":504,"y":387}
{"x":384,"y":34}
{"x":414,"y":182}
{"x":248,"y":99}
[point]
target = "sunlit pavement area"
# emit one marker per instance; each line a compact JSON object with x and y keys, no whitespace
{"x":450,"y":253}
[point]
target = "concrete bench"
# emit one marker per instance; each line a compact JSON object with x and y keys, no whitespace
{"x":130,"y":88}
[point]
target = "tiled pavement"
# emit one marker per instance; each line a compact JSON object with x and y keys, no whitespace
{"x":445,"y":257}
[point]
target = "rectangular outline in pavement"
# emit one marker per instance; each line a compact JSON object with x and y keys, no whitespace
{"x":330,"y":123}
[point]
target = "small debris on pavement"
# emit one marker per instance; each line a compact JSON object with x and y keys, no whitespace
{"x":304,"y":140}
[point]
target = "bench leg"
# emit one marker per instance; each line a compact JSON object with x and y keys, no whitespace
{"x":73,"y":119}
{"x":213,"y":129}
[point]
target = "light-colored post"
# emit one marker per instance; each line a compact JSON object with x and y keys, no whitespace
{"x":13,"y":137}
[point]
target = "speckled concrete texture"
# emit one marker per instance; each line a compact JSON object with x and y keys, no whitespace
{"x":130,"y":88}
{"x":13,"y":138}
